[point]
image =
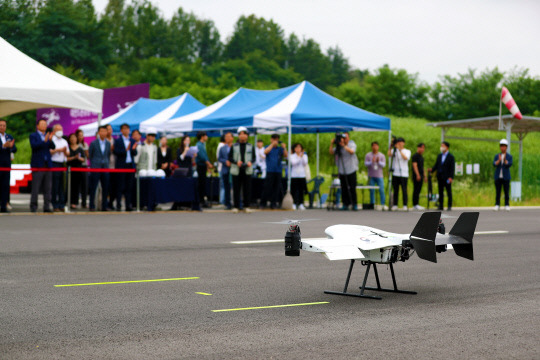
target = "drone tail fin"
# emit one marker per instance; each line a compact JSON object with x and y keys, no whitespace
{"x":464,"y":228}
{"x":423,"y":236}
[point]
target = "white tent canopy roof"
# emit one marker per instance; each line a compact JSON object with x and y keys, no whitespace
{"x":26,"y":84}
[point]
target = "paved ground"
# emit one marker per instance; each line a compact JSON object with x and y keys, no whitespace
{"x":488,"y":308}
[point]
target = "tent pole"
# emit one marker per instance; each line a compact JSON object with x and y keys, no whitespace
{"x":509,"y":134}
{"x":99,"y":119}
{"x":289,"y":162}
{"x":318,"y":151}
{"x":520,"y":170}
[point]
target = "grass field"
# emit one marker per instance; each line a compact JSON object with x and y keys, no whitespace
{"x":469,"y":190}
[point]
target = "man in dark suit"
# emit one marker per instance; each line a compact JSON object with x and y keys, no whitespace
{"x":99,"y":154}
{"x":125,"y":149}
{"x":7,"y":147}
{"x":502,"y":163}
{"x":445,"y":167}
{"x":41,"y":144}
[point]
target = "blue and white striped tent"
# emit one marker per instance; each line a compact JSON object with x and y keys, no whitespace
{"x":145,"y":113}
{"x":301,"y":108}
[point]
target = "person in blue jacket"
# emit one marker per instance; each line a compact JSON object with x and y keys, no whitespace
{"x":502,"y":163}
{"x":7,"y":147}
{"x":41,"y":144}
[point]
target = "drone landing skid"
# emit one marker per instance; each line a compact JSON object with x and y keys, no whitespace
{"x":364,"y":287}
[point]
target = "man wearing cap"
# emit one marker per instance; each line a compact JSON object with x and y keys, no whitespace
{"x":445,"y":167}
{"x":148,"y":152}
{"x":502,"y":163}
{"x":241,"y":159}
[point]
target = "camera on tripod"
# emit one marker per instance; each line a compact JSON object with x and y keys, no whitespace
{"x":337,"y":141}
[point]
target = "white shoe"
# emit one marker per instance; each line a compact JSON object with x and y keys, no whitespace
{"x":405,"y":208}
{"x":301,"y":207}
{"x":496,"y":208}
{"x":294,"y":206}
{"x":418,"y":207}
{"x":385,"y":208}
{"x":507,"y":208}
{"x":394,"y":208}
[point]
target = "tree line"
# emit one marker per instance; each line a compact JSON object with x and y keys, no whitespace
{"x":132,"y":42}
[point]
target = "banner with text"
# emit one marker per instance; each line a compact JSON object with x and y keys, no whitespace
{"x":114,"y":100}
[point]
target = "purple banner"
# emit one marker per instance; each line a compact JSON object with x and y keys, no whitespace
{"x":114,"y":100}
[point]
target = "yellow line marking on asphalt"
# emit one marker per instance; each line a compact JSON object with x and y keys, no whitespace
{"x":203,"y":293}
{"x":272,"y":306}
{"x":127,"y":282}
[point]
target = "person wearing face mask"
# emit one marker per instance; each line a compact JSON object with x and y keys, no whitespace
{"x":59,"y":157}
{"x":41,"y":143}
{"x":445,"y":167}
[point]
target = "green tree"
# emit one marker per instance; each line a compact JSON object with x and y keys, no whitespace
{"x":340,"y":66}
{"x":207,"y":43}
{"x":468,"y":95}
{"x":17,"y":25}
{"x":253,"y":33}
{"x":312,"y":64}
{"x":68,"y":34}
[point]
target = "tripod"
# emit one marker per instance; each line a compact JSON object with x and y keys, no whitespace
{"x":390,"y":176}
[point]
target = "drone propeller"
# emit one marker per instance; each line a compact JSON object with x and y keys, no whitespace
{"x":289,"y":221}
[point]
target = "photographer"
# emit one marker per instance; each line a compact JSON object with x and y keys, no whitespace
{"x":344,"y":150}
{"x":400,"y":166}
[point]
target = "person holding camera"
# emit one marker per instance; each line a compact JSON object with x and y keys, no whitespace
{"x":275,"y":152}
{"x":400,"y":166}
{"x":344,"y":151}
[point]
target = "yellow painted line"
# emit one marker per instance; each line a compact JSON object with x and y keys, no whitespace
{"x":272,"y":306}
{"x":127,"y":282}
{"x":202,"y":293}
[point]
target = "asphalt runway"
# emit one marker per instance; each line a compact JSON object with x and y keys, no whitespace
{"x":487,"y":308}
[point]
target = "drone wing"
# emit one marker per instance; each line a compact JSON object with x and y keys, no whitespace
{"x":363,"y":237}
{"x":333,"y":249}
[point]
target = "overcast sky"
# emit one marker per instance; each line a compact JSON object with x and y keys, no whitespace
{"x":430,"y":37}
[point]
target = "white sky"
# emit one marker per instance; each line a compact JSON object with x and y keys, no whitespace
{"x":430,"y":37}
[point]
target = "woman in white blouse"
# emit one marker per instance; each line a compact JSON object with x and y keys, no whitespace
{"x":299,"y":161}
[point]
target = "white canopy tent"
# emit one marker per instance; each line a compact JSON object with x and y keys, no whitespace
{"x":26,"y":85}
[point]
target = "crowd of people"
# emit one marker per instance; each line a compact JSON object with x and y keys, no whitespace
{"x":238,"y":163}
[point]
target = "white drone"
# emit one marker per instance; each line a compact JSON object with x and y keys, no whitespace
{"x":373,"y":246}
